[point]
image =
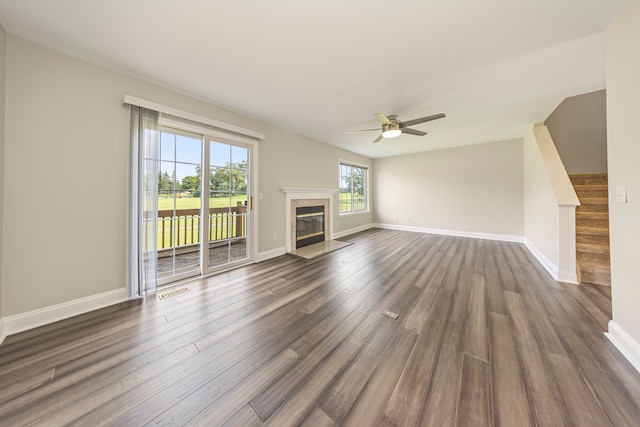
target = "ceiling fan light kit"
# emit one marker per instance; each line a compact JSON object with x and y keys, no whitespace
{"x":392,"y":127}
{"x":391,"y":131}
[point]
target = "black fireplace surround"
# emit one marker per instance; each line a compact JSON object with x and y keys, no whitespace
{"x":309,"y":225}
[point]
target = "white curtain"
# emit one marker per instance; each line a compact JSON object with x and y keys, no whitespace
{"x":145,"y":166}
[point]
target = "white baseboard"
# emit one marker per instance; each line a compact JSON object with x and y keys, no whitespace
{"x":263,"y":256}
{"x":457,"y":233}
{"x":343,"y":233}
{"x":33,"y":319}
{"x":546,"y":263}
{"x":623,"y":342}
{"x":567,"y":277}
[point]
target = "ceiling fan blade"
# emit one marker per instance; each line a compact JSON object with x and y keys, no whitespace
{"x":363,"y":130}
{"x":378,"y":139}
{"x":421,"y":120}
{"x":383,"y":119}
{"x":413,"y":132}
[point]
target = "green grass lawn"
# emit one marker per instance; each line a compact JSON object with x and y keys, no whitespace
{"x":345,"y":202}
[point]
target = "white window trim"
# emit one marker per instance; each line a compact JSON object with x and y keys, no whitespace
{"x":132,"y":100}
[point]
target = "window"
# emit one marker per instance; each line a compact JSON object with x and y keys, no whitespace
{"x":353,"y":188}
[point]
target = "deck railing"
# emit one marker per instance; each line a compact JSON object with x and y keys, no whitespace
{"x":182,"y":227}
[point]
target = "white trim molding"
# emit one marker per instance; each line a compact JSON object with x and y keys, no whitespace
{"x":132,"y":100}
{"x":457,"y":233}
{"x":309,"y":193}
{"x":565,"y":271}
{"x":623,"y":342}
{"x":273,"y":253}
{"x":567,"y":244}
{"x":542,"y":259}
{"x":33,"y":319}
{"x":339,"y":234}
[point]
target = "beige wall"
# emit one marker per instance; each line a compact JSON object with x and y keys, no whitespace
{"x":578,"y":127}
{"x":476,"y":189}
{"x":623,"y":114}
{"x":66,"y":175}
{"x":2,"y":156}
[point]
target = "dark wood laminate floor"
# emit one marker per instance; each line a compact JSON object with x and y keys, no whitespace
{"x":484,"y":337}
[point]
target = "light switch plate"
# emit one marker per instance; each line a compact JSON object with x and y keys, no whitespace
{"x":621,"y":194}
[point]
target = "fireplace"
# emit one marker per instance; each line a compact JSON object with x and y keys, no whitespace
{"x":300,"y":197}
{"x":309,"y":225}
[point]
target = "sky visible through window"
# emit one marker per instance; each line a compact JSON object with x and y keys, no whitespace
{"x":184,"y":153}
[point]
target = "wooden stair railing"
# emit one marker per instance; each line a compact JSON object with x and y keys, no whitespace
{"x":592,"y":229}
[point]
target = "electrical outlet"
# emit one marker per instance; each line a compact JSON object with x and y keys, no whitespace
{"x":621,"y":194}
{"x":275,"y":236}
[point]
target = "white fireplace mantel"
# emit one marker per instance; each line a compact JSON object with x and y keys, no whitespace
{"x":307,"y":190}
{"x":305,"y":193}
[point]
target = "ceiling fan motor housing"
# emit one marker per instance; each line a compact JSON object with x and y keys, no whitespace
{"x":391,"y":126}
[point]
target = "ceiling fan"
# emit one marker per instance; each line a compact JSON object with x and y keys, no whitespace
{"x":392,"y":127}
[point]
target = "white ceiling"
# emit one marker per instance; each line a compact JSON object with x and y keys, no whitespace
{"x":321,"y":68}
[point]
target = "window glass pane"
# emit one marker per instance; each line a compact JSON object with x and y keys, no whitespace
{"x":220,"y":183}
{"x":238,"y":181}
{"x":353,"y":188}
{"x":188,"y":180}
{"x":220,"y":154}
{"x":166,"y":184}
{"x":239,"y":155}
{"x":188,"y":150}
{"x":167,"y":146}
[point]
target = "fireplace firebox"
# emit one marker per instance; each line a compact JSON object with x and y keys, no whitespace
{"x":309,"y":225}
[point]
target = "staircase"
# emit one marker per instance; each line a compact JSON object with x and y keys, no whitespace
{"x":592,"y":229}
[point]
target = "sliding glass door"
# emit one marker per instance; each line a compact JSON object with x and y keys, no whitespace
{"x":229,"y":203}
{"x":198,"y":234}
{"x":179,"y":205}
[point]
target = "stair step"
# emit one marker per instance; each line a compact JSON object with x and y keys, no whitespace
{"x":586,"y":222}
{"x":592,"y":178}
{"x":593,"y":259}
{"x":586,"y":214}
{"x":601,"y":270}
{"x":598,"y":260}
{"x":592,"y":222}
{"x":591,"y":187}
{"x":586,"y":192}
{"x":594,"y":201}
{"x":593,"y":207}
{"x":593,"y":238}
{"x":595,"y":231}
{"x":592,"y":248}
{"x":595,"y":278}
